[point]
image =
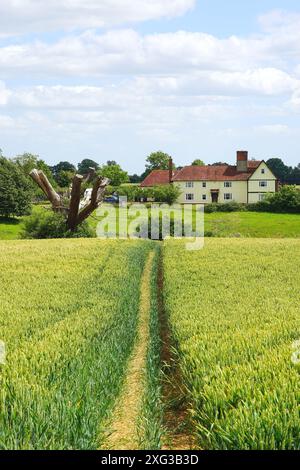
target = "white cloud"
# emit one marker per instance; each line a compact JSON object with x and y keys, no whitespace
{"x":261,"y":81}
{"x":19,"y":16}
{"x":4,"y":94}
{"x":282,"y":31}
{"x":125,"y":52}
{"x":279,"y":21}
{"x":151,"y":84}
{"x":295,"y":100}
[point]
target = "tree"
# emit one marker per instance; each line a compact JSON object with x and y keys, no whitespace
{"x":62,"y":166}
{"x":280,"y":170}
{"x":135,"y":179}
{"x":114,"y":173}
{"x":220,"y":164}
{"x":64,"y":178}
{"x":15,"y":190}
{"x":198,"y":162}
{"x":73,"y":209}
{"x":168,"y":193}
{"x":294,"y":177}
{"x":85,"y":165}
{"x":158,"y":161}
{"x":27,"y":162}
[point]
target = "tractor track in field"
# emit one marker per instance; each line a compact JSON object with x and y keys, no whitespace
{"x":177,"y":424}
{"x":123,"y":433}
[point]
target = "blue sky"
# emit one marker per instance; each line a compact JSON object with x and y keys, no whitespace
{"x":118,"y":79}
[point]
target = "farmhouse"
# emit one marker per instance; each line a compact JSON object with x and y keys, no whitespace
{"x":246,"y":182}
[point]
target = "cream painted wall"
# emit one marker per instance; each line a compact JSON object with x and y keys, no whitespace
{"x":254,"y":188}
{"x":238,"y":191}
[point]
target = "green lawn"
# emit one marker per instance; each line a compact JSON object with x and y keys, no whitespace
{"x":218,"y":224}
{"x":253,"y":224}
{"x":245,"y":224}
{"x":10,"y":228}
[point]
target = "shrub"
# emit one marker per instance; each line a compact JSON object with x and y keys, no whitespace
{"x":168,"y":193}
{"x":287,"y":200}
{"x":15,"y":192}
{"x":132,"y":192}
{"x":48,"y":224}
{"x":228,"y":207}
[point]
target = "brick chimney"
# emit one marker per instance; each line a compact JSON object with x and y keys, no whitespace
{"x":170,"y":170}
{"x":242,"y":161}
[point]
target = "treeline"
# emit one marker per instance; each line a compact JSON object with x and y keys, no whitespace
{"x":286,"y":174}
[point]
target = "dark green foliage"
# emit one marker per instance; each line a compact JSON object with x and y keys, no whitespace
{"x":64,"y":179}
{"x":85,"y":165}
{"x":48,"y":224}
{"x":156,"y":161}
{"x":15,"y":190}
{"x":62,"y":166}
{"x":135,"y":178}
{"x":228,"y":207}
{"x":27,"y":162}
{"x":114,"y":173}
{"x":287,"y":200}
{"x":168,"y":193}
{"x":286,"y":174}
{"x":165,"y":194}
{"x":63,"y":173}
{"x":198,"y":162}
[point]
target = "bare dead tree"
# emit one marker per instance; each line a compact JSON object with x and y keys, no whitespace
{"x":71,"y":208}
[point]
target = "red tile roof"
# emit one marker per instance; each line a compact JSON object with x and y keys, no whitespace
{"x":254,"y":163}
{"x":157,"y":177}
{"x":201,"y":173}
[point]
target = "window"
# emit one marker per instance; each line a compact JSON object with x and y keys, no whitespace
{"x":227,"y":196}
{"x":189,"y":184}
{"x":204,"y":197}
{"x":204,"y":184}
{"x":228,"y":184}
{"x":263,"y":171}
{"x":261,"y":197}
{"x":263,"y":184}
{"x":189,"y":197}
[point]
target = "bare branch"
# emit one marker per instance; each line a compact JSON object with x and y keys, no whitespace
{"x":34,"y":174}
{"x":41,"y":179}
{"x":91,"y":174}
{"x":74,"y":202}
{"x":96,"y":198}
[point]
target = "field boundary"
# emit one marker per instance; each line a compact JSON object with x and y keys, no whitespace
{"x":123,"y":429}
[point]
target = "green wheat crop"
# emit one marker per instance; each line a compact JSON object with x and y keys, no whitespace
{"x":68,"y":313}
{"x":234,"y":311}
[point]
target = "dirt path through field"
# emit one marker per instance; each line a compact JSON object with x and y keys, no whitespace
{"x":178,"y":429}
{"x":123,"y":435}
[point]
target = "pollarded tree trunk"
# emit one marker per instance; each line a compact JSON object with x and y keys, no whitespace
{"x":71,"y":209}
